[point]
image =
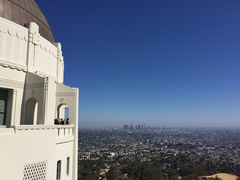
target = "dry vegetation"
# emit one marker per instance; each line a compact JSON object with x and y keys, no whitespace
{"x":223,"y":176}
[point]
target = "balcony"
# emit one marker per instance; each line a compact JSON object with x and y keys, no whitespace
{"x":64,"y":133}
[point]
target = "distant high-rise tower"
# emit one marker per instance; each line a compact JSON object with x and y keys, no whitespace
{"x":125,"y":127}
{"x":131,"y":127}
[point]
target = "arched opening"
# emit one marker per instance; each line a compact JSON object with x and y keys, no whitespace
{"x":63,"y":112}
{"x":31,"y":110}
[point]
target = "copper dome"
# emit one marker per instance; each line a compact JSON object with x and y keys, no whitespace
{"x":25,"y":11}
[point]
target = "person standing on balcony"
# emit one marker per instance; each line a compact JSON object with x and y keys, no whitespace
{"x":62,"y":121}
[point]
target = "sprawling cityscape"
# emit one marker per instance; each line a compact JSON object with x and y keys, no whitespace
{"x":208,"y":150}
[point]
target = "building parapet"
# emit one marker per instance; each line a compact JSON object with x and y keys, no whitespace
{"x":33,"y":127}
{"x":64,"y":130}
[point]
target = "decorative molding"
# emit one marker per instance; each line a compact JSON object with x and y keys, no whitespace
{"x":70,"y":126}
{"x":34,"y":127}
{"x":43,"y":74}
{"x":18,"y":67}
{"x":16,"y":84}
{"x":15,"y":33}
{"x":48,"y":47}
{"x":10,"y":83}
{"x":65,"y":93}
{"x":34,"y":85}
{"x":62,"y":100}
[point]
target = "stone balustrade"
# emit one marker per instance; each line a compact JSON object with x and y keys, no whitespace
{"x":64,"y":131}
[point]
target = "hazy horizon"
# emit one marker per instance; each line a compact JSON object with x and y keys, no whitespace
{"x":166,"y":127}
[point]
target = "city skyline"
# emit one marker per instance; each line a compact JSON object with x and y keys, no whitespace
{"x":168,"y":63}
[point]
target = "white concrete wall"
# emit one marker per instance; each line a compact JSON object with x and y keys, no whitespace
{"x":63,"y":151}
{"x":46,"y":58}
{"x":13,"y":44}
{"x":32,"y":67}
{"x":28,"y":146}
{"x":24,"y":49}
{"x":50,"y":101}
{"x":69,"y":96}
{"x":7,"y":151}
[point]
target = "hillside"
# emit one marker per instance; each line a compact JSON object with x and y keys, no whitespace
{"x":224,"y":176}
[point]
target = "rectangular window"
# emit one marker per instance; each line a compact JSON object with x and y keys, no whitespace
{"x":68,"y":159}
{"x":58,"y":170}
{"x":3,"y":106}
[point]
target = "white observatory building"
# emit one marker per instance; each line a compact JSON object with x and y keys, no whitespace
{"x":32,"y":95}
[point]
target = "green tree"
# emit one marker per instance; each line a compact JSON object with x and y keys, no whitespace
{"x":191,"y":171}
{"x":142,"y":170}
{"x":85,"y":171}
{"x":172,"y":174}
{"x":111,"y":174}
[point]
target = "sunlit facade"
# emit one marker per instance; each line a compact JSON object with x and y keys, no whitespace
{"x":32,"y":95}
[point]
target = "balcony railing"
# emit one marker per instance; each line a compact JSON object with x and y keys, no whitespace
{"x":64,"y":131}
{"x":61,"y":130}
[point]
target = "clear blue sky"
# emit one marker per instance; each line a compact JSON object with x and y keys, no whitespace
{"x":162,"y":63}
